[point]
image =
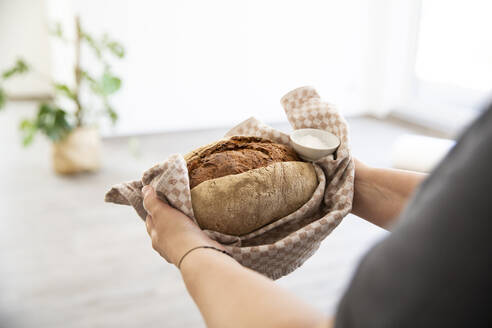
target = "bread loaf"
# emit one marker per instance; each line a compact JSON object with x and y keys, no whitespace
{"x":243,"y":183}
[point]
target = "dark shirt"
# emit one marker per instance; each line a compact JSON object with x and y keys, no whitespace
{"x":435,"y":268}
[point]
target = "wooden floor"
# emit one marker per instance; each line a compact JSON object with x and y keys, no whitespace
{"x":67,"y":259}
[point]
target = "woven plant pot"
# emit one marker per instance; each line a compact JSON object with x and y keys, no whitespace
{"x":79,"y":152}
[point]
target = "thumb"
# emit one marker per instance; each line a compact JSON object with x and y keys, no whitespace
{"x":151,"y":203}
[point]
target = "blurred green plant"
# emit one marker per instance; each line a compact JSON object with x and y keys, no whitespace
{"x":51,"y":119}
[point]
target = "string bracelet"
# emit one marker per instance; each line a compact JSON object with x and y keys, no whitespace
{"x":191,"y":250}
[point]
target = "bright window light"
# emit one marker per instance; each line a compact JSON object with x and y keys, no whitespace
{"x":455,"y":44}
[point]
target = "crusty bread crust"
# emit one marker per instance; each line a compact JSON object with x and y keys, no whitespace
{"x":241,"y":203}
{"x":235,"y":155}
{"x":200,"y":151}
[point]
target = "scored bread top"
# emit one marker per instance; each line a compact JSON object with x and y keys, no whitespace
{"x":234,"y":155}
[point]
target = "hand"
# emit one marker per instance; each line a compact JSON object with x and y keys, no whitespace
{"x":172,"y":232}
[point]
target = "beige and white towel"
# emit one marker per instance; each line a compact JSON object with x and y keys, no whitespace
{"x":281,"y":246}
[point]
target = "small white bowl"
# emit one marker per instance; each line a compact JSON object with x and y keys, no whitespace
{"x":310,"y":153}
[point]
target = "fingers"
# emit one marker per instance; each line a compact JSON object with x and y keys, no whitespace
{"x":151,"y":203}
{"x":149,"y":223}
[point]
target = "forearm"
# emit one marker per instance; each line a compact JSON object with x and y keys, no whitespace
{"x":381,"y":194}
{"x":229,"y":295}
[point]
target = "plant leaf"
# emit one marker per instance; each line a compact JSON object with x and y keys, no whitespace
{"x":93,"y":84}
{"x":28,"y":130}
{"x":52,"y":121}
{"x":64,"y":90}
{"x":19,"y":67}
{"x":110,"y":83}
{"x":57,"y":31}
{"x":92,"y":43}
{"x":87,"y":76}
{"x":114,"y":47}
{"x":105,"y":86}
{"x":113,"y":116}
{"x":3,"y":98}
{"x":61,"y":127}
{"x":44,"y":118}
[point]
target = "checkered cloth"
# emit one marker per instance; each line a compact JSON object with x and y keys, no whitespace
{"x":281,"y":246}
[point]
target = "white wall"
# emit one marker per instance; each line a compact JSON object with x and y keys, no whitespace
{"x":24,"y":33}
{"x":202,"y":63}
{"x":197,"y":64}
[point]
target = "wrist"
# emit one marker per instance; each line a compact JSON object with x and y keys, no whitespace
{"x":222,"y":251}
{"x":188,"y":241}
{"x":203,"y":258}
{"x":362,"y":188}
{"x":361,"y":170}
{"x":362,"y":177}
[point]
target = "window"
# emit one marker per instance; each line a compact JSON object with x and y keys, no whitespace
{"x":455,"y":44}
{"x":452,"y":72}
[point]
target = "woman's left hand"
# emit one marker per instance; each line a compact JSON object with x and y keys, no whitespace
{"x":172,"y":232}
